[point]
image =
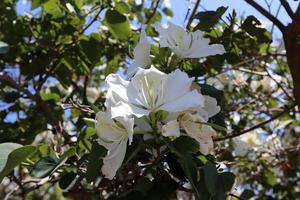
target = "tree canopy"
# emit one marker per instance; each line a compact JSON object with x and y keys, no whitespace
{"x":106,"y":99}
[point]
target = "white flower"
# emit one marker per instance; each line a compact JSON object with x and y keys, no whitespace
{"x":151,"y":90}
{"x":171,"y":129}
{"x":195,"y":127}
{"x":267,"y":84}
{"x":186,"y":44}
{"x":210,"y":108}
{"x":113,"y":135}
{"x":141,"y":54}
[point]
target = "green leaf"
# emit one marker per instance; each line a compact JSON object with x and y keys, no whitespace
{"x":143,"y":185}
{"x":52,"y":7}
{"x":5,"y":150}
{"x":15,"y":158}
{"x":225,"y":182}
{"x":209,"y":18}
{"x":251,"y":26}
{"x":187,"y":163}
{"x":67,"y":180}
{"x":44,"y":167}
{"x":211,"y":177}
{"x":49,"y":96}
{"x":168,"y":12}
{"x":117,"y":24}
{"x":4,"y":48}
{"x":122,"y":7}
{"x":212,"y":91}
{"x":95,"y":162}
{"x":186,"y":144}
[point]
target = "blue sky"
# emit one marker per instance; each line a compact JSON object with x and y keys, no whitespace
{"x":180,"y":8}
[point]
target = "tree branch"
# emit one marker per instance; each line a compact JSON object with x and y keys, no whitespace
{"x":268,"y":15}
{"x":287,"y":8}
{"x":233,"y":135}
{"x":192,"y":15}
{"x":154,"y":11}
{"x":291,"y":36}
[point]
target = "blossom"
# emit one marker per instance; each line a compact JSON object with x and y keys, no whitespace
{"x":113,"y":135}
{"x":141,"y":54}
{"x":186,"y":44}
{"x":194,"y":125}
{"x":171,"y":129}
{"x":151,"y":90}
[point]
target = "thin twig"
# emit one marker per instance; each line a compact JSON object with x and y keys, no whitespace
{"x":233,"y":135}
{"x":192,"y":15}
{"x":235,"y":196}
{"x":153,"y":12}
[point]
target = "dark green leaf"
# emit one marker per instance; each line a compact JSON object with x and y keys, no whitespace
{"x":211,"y":177}
{"x":209,"y":18}
{"x":251,"y":26}
{"x":186,"y":144}
{"x":67,"y":180}
{"x":117,"y":24}
{"x":15,"y":158}
{"x":212,"y":91}
{"x":95,"y":162}
{"x":44,"y":167}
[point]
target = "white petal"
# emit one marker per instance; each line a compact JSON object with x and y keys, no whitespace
{"x":177,"y":84}
{"x":117,"y":85}
{"x":206,"y":146}
{"x":201,"y":48}
{"x":163,"y":34}
{"x":171,"y":129}
{"x":141,"y":54}
{"x":107,"y":130}
{"x":188,"y":100}
{"x":128,"y":123}
{"x":114,"y":159}
{"x":211,"y":106}
{"x":123,"y":109}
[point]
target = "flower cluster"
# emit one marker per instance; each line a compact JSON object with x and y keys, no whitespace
{"x":146,"y":91}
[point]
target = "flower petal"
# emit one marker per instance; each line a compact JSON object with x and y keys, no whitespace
{"x":201,"y":47}
{"x":114,"y":159}
{"x":177,"y":84}
{"x":171,"y":129}
{"x":141,"y":54}
{"x":188,"y":100}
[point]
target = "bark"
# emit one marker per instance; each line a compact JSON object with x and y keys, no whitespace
{"x":291,"y":37}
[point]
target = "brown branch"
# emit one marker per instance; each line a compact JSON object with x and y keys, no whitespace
{"x":192,"y":15}
{"x":153,"y":12}
{"x":9,"y":81}
{"x":288,"y":8}
{"x":235,"y":196}
{"x":233,"y":135}
{"x":268,"y":15}
{"x":291,"y":36}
